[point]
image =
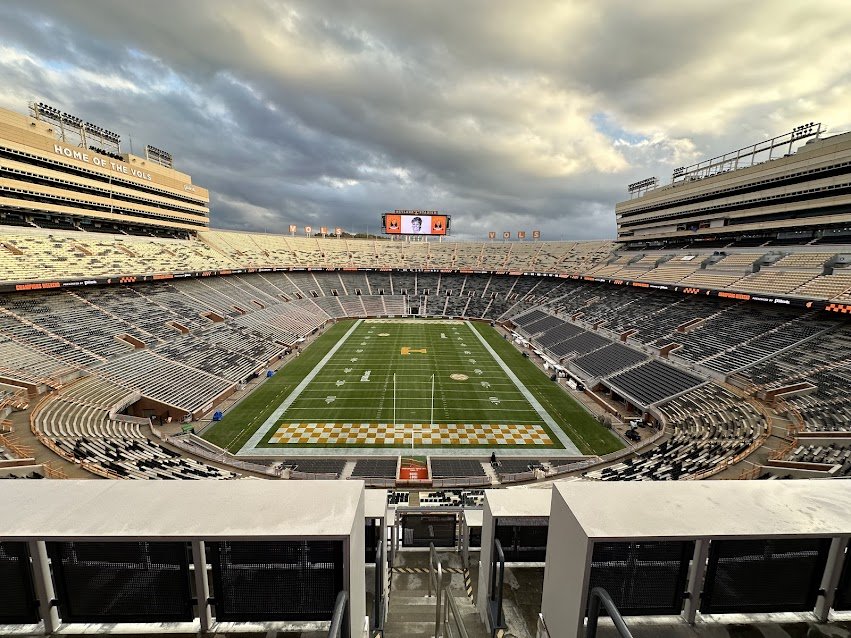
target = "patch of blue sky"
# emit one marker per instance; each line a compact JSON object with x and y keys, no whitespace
{"x":606,"y":125}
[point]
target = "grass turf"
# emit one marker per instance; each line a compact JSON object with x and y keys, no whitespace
{"x":337,"y":394}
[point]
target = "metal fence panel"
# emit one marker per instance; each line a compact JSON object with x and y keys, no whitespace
{"x":122,"y":581}
{"x":751,"y":576}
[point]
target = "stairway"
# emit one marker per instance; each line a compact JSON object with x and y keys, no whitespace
{"x":411,"y":612}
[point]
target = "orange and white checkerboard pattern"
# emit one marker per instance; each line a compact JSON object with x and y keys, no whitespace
{"x":473,"y":434}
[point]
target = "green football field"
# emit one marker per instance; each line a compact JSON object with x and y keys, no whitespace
{"x":358,"y":383}
{"x":391,"y":383}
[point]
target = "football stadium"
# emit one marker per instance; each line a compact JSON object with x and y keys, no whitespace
{"x":408,"y":434}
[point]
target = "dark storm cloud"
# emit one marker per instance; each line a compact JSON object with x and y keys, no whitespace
{"x":510,"y":116}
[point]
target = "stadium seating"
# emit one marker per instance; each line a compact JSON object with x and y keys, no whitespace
{"x":188,"y":342}
{"x":315,"y":466}
{"x":766,"y":344}
{"x":527,"y":318}
{"x":582,"y":343}
{"x":75,"y":255}
{"x":543,"y":325}
{"x":824,"y":454}
{"x":79,"y":330}
{"x":375,"y":468}
{"x":72,"y":320}
{"x":443,"y":498}
{"x":164,"y":380}
{"x":709,"y":425}
{"x":354,"y":283}
{"x":819,"y":370}
{"x":652,"y":382}
{"x":797,"y":261}
{"x":771,"y":281}
{"x":738,"y":260}
{"x":455,"y":468}
{"x":669,"y":273}
{"x":608,"y":360}
{"x":833,"y":286}
{"x":69,"y":254}
{"x":711,"y":279}
{"x":508,"y":467}
{"x":208,"y":357}
{"x":28,"y":472}
{"x":76,"y":423}
{"x":27,"y":365}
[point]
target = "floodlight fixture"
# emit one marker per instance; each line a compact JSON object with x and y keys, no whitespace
{"x":643,"y":185}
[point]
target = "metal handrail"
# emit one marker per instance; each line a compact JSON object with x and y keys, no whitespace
{"x":378,"y":599}
{"x":435,"y":578}
{"x":599,"y":595}
{"x":335,"y":631}
{"x":496,"y":584}
{"x":452,"y":606}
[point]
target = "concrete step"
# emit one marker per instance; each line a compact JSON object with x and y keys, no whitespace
{"x":418,"y":619}
{"x":411,"y":606}
{"x":423,"y":629}
{"x":405,"y":629}
{"x":411,"y":613}
{"x":411,"y":594}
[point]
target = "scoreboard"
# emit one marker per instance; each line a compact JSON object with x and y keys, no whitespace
{"x":415,"y":222}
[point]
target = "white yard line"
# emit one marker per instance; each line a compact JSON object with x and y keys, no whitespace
{"x":555,"y":427}
{"x":260,"y":432}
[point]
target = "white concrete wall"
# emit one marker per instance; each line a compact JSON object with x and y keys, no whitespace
{"x":356,"y":569}
{"x":485,"y":563}
{"x":566,"y":573}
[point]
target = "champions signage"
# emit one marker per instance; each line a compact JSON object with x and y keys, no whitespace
{"x":105,"y":163}
{"x":724,"y":294}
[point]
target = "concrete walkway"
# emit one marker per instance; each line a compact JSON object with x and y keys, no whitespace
{"x":523,"y":589}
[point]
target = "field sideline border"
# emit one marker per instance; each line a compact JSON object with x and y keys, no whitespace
{"x":583,"y":428}
{"x":555,"y":428}
{"x":272,"y":419}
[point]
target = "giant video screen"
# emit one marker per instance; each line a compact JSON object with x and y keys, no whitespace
{"x":415,"y":224}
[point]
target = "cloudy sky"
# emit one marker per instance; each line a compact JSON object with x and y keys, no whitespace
{"x":507,"y":115}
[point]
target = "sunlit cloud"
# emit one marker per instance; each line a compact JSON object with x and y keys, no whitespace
{"x":520,"y":117}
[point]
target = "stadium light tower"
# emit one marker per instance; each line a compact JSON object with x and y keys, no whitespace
{"x":637,"y":189}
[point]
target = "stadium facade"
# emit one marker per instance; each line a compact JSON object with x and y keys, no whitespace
{"x":704,"y":334}
{"x":54,"y":175}
{"x":779,"y":192}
